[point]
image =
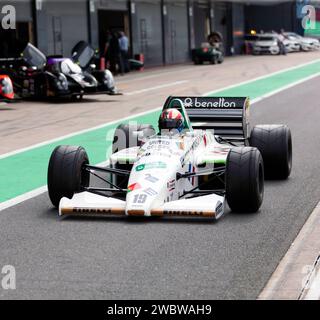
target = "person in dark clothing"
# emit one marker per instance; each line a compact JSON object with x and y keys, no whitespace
{"x":114,"y":52}
{"x":106,"y":52}
{"x":281,"y":38}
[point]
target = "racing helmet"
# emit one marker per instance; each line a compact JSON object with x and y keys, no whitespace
{"x":171,"y":119}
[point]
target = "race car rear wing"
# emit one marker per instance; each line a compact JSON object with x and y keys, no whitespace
{"x":227,"y":117}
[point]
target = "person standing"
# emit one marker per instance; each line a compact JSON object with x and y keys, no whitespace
{"x":114,"y":51}
{"x":124,"y":49}
{"x":281,"y":39}
{"x":106,"y":53}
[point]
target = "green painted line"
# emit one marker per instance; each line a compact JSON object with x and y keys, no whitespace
{"x":27,"y":171}
{"x":266,"y":85}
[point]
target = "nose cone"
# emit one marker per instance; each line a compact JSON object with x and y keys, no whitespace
{"x":148,"y":186}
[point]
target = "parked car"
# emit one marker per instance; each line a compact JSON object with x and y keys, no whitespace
{"x":266,"y":44}
{"x":292,"y":45}
{"x":306,"y":44}
{"x":211,"y":51}
{"x":84,"y":55}
{"x":31,"y":79}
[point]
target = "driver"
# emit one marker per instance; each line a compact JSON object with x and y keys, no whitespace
{"x":172,"y":120}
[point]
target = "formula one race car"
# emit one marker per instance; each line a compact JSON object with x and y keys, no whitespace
{"x":192,"y":172}
{"x":6,"y":88}
{"x":83,"y":55}
{"x":29,"y":77}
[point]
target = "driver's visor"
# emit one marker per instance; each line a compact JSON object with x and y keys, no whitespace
{"x":169,"y":123}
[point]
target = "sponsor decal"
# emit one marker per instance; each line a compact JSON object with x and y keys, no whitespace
{"x":134,"y":186}
{"x":151,"y":178}
{"x":171,"y":185}
{"x":150,"y":192}
{"x":192,"y":169}
{"x":160,"y":142}
{"x":97,"y":210}
{"x":140,"y":198}
{"x":221,"y":103}
{"x":151,"y":165}
{"x":189,"y":213}
{"x":219,"y":208}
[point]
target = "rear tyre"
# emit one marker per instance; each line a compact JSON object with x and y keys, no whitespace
{"x":65,"y":173}
{"x":275,"y":145}
{"x":197,"y":61}
{"x":244,"y":179}
{"x":214,"y":60}
{"x":221,"y":59}
{"x":128,"y":136}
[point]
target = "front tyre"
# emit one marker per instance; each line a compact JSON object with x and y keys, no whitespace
{"x":244,"y":179}
{"x":275,"y":145}
{"x":128,"y":136}
{"x":197,"y":60}
{"x":65,"y":172}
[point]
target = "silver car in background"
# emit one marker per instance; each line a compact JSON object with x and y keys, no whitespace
{"x":266,"y":44}
{"x":306,"y":43}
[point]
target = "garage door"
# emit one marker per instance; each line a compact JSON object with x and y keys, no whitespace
{"x":176,"y":33}
{"x":147,"y":31}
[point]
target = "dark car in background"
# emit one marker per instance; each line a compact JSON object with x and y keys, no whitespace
{"x":84,"y":56}
{"x":30,"y":77}
{"x":211,"y":51}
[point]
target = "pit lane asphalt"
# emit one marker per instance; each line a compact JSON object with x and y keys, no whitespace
{"x":117,"y":258}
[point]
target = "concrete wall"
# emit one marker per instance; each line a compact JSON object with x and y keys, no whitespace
{"x":146,"y":29}
{"x":60,"y":25}
{"x":176,"y":32}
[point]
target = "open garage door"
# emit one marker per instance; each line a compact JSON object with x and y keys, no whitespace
{"x":201,"y":22}
{"x":110,"y":21}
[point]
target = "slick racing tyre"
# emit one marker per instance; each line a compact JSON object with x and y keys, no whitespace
{"x":214,"y":60}
{"x":128,"y":136}
{"x":65,"y":173}
{"x":198,"y":61}
{"x":244,"y":179}
{"x":275,"y":145}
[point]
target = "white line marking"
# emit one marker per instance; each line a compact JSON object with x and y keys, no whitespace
{"x":293,"y":84}
{"x":314,"y":291}
{"x":155,"y":75}
{"x":37,"y":192}
{"x":176,"y":83}
{"x":9,"y":154}
{"x":34,"y":193}
{"x":26,"y":196}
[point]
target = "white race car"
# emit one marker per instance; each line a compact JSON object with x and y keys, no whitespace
{"x":193,"y":173}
